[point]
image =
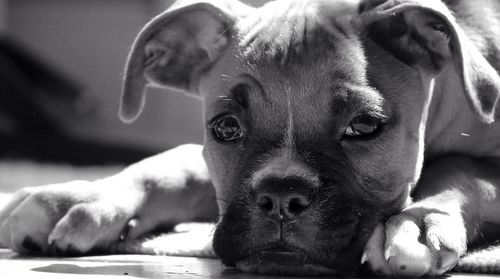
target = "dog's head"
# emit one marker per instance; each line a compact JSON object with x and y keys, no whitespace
{"x":315,"y":115}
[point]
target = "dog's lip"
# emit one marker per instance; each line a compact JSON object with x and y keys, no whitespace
{"x":283,"y":263}
{"x":281,"y":260}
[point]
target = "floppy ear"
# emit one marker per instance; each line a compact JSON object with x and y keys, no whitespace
{"x":176,"y":48}
{"x":424,"y":34}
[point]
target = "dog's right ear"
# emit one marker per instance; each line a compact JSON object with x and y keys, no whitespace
{"x":176,"y":47}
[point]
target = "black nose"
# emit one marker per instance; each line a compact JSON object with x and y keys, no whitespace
{"x":283,"y":197}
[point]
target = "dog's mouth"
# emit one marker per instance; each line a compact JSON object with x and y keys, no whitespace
{"x":283,"y":260}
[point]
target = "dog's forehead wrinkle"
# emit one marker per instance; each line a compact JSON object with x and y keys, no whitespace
{"x":358,"y":98}
{"x":256,"y":85}
{"x":369,"y":97}
{"x":283,"y":28}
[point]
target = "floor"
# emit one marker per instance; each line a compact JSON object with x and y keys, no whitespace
{"x":128,"y":266}
{"x":115,"y":266}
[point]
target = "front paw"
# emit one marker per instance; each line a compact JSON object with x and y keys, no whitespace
{"x":420,"y":241}
{"x":62,"y":219}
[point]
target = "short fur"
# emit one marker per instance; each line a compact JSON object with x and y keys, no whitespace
{"x":296,"y":193}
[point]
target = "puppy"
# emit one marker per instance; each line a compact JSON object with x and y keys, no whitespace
{"x":339,"y":134}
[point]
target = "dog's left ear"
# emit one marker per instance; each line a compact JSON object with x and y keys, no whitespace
{"x":176,"y":48}
{"x":424,"y":34}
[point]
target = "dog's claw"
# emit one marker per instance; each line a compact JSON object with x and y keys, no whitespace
{"x":434,"y":241}
{"x":53,"y":236}
{"x":389,"y":252}
{"x":363,"y":258}
{"x":132,"y":223}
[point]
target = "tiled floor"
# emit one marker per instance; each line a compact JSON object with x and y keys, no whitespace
{"x":127,"y":266}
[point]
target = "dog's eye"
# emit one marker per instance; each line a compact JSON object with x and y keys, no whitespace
{"x":227,"y":128}
{"x":363,"y":125}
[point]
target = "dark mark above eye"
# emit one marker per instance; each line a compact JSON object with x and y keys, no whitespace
{"x":240,"y":94}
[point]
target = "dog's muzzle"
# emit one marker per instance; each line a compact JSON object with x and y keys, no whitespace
{"x":287,"y":223}
{"x":280,"y":202}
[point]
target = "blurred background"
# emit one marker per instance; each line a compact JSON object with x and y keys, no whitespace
{"x":61,"y":65}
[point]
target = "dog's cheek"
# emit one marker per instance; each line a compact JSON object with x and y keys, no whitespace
{"x":230,"y":242}
{"x":386,"y":193}
{"x":342,"y":230}
{"x":388,"y":168}
{"x":226,"y":168}
{"x":379,"y":179}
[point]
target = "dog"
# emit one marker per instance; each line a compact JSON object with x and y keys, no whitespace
{"x":340,"y":134}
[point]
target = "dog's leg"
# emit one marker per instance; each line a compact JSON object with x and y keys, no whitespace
{"x":456,"y":198}
{"x":178,"y":189}
{"x":80,"y":216}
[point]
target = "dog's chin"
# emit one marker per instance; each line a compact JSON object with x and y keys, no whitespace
{"x":283,"y":263}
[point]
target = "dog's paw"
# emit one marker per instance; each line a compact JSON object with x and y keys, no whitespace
{"x":417,"y":242}
{"x":62,"y":219}
{"x":88,"y":226}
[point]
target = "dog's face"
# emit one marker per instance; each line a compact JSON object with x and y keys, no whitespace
{"x":307,"y":150}
{"x":314,"y":130}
